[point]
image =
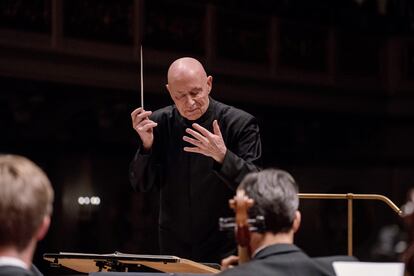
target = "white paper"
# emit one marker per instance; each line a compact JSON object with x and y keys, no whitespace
{"x":368,"y":269}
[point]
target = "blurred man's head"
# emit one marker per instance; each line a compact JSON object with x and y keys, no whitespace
{"x":275,"y":196}
{"x":26,"y":198}
{"x":189,"y":87}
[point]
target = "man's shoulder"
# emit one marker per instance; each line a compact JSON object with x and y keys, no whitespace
{"x":282,"y":258}
{"x":231,"y":112}
{"x":163,"y":113}
{"x":247,"y":269}
{"x":14,"y":270}
{"x":279,"y":264}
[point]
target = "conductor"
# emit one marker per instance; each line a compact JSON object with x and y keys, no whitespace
{"x":195,"y":153}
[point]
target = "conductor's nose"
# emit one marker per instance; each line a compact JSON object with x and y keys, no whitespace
{"x":189,"y":101}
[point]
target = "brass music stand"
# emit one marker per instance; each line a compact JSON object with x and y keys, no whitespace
{"x":350,"y":197}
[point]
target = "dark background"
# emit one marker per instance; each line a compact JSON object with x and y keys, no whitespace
{"x":331,"y":83}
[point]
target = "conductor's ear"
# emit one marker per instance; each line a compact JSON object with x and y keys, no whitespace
{"x":168,"y":89}
{"x":209,"y":83}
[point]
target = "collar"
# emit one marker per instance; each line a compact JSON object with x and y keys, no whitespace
{"x":275,"y":249}
{"x":258,"y":250}
{"x":12,"y":261}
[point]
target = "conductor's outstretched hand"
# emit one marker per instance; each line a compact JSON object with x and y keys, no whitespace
{"x":205,"y":142}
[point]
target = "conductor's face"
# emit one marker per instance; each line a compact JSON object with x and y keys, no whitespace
{"x":189,"y":88}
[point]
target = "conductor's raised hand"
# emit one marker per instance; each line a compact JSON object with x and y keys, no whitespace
{"x":205,"y":142}
{"x":143,"y":126}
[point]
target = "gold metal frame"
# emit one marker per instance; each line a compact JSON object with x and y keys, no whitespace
{"x":350,"y":197}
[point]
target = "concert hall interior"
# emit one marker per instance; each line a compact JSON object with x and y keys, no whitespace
{"x":330,"y":82}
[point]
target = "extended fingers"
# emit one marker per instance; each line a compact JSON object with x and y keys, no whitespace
{"x":202,"y":130}
{"x":216,"y":128}
{"x":197,"y":135}
{"x":194,"y":149}
{"x":190,"y":140}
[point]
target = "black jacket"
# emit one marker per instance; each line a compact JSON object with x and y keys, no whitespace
{"x":279,"y":259}
{"x":194,"y":189}
{"x":14,"y":271}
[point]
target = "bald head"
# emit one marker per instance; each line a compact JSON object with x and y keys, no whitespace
{"x":189,"y":87}
{"x":185,"y":67}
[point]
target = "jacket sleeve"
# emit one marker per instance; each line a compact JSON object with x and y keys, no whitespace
{"x":242,"y":157}
{"x":144,"y":169}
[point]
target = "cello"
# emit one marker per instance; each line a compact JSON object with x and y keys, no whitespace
{"x":241,"y":224}
{"x":241,"y":204}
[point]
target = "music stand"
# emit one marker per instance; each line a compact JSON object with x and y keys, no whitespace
{"x":87,"y":263}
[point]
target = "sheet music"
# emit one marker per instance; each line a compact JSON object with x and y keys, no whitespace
{"x":368,"y":269}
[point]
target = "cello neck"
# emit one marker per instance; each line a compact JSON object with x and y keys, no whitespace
{"x":240,"y":204}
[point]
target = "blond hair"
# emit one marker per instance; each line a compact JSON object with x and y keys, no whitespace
{"x":26,"y":197}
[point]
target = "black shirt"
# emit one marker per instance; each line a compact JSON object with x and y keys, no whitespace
{"x":195,"y":189}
